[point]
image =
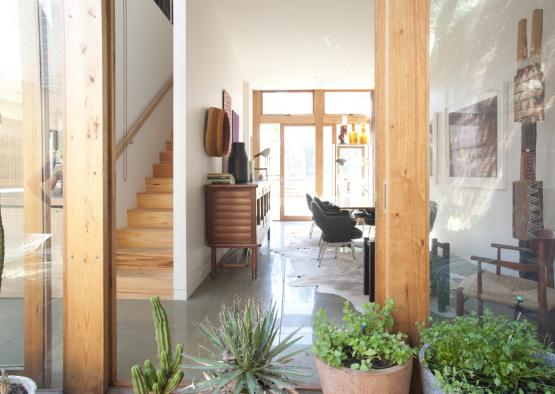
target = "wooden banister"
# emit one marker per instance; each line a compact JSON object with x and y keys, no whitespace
{"x":120,"y":147}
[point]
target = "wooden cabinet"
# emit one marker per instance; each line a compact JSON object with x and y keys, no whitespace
{"x":237,"y":216}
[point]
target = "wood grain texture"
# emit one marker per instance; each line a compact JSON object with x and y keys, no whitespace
{"x":402,"y":266}
{"x":522,"y":41}
{"x":87,"y":171}
{"x":319,"y":119}
{"x":537,"y":31}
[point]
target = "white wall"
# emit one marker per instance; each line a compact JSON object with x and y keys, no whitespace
{"x":211,"y":66}
{"x":149,"y":66}
{"x":474,"y":50}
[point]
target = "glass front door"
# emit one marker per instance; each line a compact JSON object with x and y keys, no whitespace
{"x":298,"y":158}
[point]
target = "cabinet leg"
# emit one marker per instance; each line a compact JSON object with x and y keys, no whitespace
{"x":254,"y":262}
{"x":213,"y":262}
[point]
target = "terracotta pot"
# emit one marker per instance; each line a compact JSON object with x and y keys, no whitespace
{"x":393,"y":380}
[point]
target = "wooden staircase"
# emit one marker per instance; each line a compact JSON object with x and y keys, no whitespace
{"x":144,"y":251}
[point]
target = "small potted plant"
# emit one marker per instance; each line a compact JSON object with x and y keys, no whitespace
{"x":488,"y":354}
{"x":16,"y":384}
{"x":362,"y":355}
{"x":247,"y":359}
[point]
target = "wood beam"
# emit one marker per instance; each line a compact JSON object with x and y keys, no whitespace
{"x":402,"y":267}
{"x":319,"y":118}
{"x":87,"y":181}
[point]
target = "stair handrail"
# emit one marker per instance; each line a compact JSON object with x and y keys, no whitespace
{"x":134,"y":130}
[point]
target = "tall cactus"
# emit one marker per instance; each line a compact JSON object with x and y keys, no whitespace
{"x":165,"y":379}
{"x":1,"y":248}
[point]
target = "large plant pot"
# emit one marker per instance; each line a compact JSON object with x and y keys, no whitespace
{"x":429,"y":385}
{"x":393,"y":380}
{"x":27,"y":383}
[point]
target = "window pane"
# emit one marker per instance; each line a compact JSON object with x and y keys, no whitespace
{"x":358,"y":103}
{"x":270,"y":138}
{"x":32,"y":105}
{"x":287,"y":103}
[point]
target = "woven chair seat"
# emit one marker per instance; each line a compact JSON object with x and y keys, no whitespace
{"x":503,"y":290}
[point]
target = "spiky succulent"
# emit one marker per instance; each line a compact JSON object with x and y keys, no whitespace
{"x":249,"y":362}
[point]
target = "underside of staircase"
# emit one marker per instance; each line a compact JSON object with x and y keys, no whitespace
{"x":145,"y":247}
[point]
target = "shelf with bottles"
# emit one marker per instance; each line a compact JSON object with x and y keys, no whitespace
{"x":353,"y":134}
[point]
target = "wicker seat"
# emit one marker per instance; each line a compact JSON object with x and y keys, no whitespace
{"x":503,"y":289}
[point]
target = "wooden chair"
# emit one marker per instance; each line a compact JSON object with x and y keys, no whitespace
{"x":503,"y":289}
{"x":440,"y":273}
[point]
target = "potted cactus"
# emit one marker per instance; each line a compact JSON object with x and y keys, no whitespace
{"x":165,"y":379}
{"x":487,"y":354}
{"x":362,"y":355}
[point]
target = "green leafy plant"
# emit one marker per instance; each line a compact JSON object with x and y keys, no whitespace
{"x":249,"y":362}
{"x":165,"y":379}
{"x":2,"y":248}
{"x":487,"y":355}
{"x":363,"y":342}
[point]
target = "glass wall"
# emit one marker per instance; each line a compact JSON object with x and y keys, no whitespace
{"x":31,"y":188}
{"x":492,"y":134}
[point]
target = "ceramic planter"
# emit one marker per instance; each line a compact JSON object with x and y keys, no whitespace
{"x":27,"y":383}
{"x":429,"y":380}
{"x":393,"y":380}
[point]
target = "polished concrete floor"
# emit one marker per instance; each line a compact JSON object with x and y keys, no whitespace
{"x":296,"y":308}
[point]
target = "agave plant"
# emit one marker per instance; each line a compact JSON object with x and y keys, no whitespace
{"x":249,"y":362}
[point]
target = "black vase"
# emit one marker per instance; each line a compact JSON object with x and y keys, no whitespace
{"x":238,"y":163}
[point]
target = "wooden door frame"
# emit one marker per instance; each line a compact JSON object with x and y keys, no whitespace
{"x":318,"y":118}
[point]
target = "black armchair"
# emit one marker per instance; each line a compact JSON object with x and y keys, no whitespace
{"x":329,"y":208}
{"x":337,"y":230}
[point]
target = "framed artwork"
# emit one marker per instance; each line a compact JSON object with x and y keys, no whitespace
{"x":235,"y":127}
{"x":475,"y":140}
{"x":226,"y":106}
{"x":433,"y":147}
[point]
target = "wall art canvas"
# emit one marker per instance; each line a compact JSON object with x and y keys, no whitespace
{"x":235,"y":127}
{"x":475,"y":131}
{"x":226,"y":106}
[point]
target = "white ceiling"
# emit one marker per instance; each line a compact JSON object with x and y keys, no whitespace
{"x":302,"y":44}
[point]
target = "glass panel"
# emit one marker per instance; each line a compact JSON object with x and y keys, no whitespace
{"x":31,"y":188}
{"x":299,"y":175}
{"x":358,"y":103}
{"x":329,"y":165}
{"x":287,"y":103}
{"x":352,"y":175}
{"x":492,"y":145}
{"x":270,"y":138}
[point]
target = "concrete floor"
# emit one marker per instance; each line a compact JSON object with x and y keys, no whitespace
{"x":296,"y":308}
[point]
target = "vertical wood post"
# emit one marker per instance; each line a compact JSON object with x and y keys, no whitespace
{"x":87,"y":201}
{"x":402,"y":266}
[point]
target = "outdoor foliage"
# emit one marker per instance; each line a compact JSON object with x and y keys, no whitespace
{"x":248,"y":360}
{"x":487,"y":355}
{"x":364,"y":341}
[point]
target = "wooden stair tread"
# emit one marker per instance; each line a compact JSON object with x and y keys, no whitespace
{"x":145,"y":251}
{"x":150,"y":210}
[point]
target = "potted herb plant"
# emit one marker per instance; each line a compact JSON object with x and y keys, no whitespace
{"x":362,"y":355}
{"x":248,"y":360}
{"x":16,"y":384}
{"x":488,"y":354}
